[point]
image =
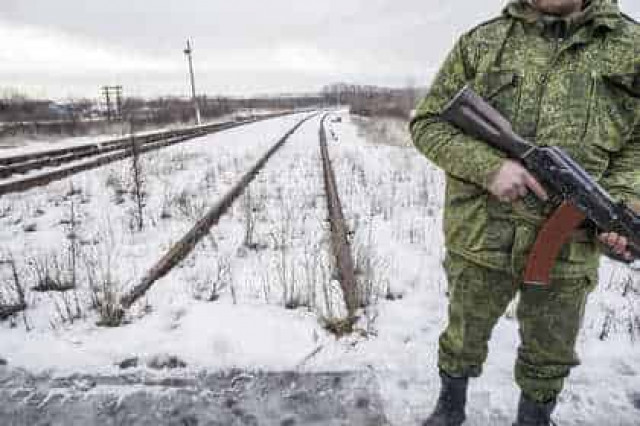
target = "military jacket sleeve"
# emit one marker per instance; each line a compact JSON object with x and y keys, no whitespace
{"x":622,"y":177}
{"x":459,"y":155}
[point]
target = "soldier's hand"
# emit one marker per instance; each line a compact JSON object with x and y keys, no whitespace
{"x":617,"y":242}
{"x":512,"y":181}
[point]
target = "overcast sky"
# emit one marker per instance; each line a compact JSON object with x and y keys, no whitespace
{"x":69,"y":48}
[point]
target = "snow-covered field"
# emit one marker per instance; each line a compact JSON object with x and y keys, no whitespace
{"x":18,"y":145}
{"x":394,"y":198}
{"x":256,"y":292}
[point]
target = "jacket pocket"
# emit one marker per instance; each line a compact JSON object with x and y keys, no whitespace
{"x":592,"y":87}
{"x":618,"y":110}
{"x":465,"y":214}
{"x":579,"y":252}
{"x":460,"y":192}
{"x":502,"y":89}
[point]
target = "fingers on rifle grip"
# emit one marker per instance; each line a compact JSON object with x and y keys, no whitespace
{"x":535,"y":186}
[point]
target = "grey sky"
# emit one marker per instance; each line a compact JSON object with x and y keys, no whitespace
{"x":70,"y":47}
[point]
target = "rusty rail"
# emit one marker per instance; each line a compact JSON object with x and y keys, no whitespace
{"x":187,"y":243}
{"x":339,"y":240}
{"x":105,"y":153}
{"x":7,"y":311}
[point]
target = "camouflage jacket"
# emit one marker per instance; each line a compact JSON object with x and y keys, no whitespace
{"x":573,"y":83}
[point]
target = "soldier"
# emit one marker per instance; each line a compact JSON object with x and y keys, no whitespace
{"x":565,"y":73}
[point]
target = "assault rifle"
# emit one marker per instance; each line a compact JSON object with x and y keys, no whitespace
{"x":577,"y":195}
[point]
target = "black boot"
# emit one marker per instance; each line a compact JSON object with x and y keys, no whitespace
{"x":531,"y":413}
{"x":449,"y":410}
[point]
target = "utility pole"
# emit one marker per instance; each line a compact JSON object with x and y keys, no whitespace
{"x":105,"y":93}
{"x":113,"y":94}
{"x":188,"y":51}
{"x":118,"y":90}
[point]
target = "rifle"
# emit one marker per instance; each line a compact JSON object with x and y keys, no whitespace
{"x":577,"y":195}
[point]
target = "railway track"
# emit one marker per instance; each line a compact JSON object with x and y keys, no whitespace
{"x":339,"y":240}
{"x":22,"y":172}
{"x":339,"y":232}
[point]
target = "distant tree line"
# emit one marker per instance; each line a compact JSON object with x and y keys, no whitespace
{"x":21,"y":114}
{"x":375,"y":100}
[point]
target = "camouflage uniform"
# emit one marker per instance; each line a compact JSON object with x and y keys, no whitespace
{"x":567,"y":82}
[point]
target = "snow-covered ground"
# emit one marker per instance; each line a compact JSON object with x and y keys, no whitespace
{"x":394,"y":197}
{"x":85,"y":228}
{"x":25,"y":145}
{"x":255,"y":293}
{"x":18,"y":145}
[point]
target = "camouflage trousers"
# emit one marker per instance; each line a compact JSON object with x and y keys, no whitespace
{"x":549,"y":320}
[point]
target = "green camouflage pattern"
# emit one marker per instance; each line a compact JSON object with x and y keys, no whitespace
{"x":572,"y":83}
{"x":549,"y":321}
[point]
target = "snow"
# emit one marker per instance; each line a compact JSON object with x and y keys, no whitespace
{"x":32,"y":144}
{"x":403,"y":347}
{"x":272,"y":249}
{"x":181,"y":182}
{"x":216,"y":336}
